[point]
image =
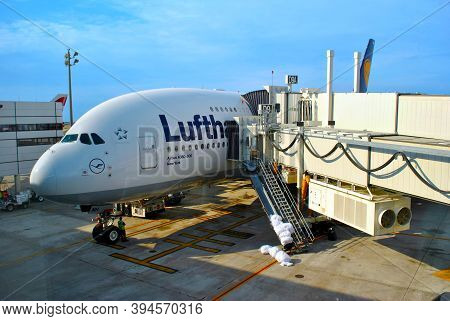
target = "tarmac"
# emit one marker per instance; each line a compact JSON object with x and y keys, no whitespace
{"x":207,"y":248}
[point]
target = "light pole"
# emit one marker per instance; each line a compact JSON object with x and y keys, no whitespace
{"x":69,"y":62}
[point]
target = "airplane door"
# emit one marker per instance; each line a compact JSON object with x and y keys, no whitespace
{"x":148,"y":156}
{"x":232,"y":133}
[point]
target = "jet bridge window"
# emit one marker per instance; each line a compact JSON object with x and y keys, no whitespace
{"x":97,"y":139}
{"x":70,"y":138}
{"x":84,"y":139}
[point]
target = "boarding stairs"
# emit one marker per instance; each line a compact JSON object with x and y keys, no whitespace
{"x":277,"y":199}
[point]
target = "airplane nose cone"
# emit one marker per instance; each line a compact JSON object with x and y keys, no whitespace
{"x":43,"y":179}
{"x":42,"y":184}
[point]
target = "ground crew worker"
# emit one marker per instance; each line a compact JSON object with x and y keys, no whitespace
{"x":123,"y":233}
{"x":5,"y":195}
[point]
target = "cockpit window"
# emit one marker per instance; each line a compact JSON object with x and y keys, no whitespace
{"x":70,"y":138}
{"x":97,"y":139}
{"x":84,"y":138}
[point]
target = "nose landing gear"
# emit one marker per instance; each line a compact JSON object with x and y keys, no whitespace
{"x":105,"y":231}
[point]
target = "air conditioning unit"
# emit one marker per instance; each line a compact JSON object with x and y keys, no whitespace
{"x":385,"y":213}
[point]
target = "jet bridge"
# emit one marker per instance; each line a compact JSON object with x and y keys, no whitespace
{"x":376,"y":152}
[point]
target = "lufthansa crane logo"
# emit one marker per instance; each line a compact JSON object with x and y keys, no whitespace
{"x":97,"y":166}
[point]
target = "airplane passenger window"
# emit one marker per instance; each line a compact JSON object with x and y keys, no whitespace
{"x":70,"y":138}
{"x":235,"y":109}
{"x":176,"y":148}
{"x":212,"y":109}
{"x":182,"y":148}
{"x":190,"y":147}
{"x":213,"y":145}
{"x":84,"y":139}
{"x":196,"y":147}
{"x":207,"y":146}
{"x":217,"y":109}
{"x":202,"y":146}
{"x":221,"y":108}
{"x":168,"y":149}
{"x":223,"y":144}
{"x":97,"y":139}
{"x":226,"y":109}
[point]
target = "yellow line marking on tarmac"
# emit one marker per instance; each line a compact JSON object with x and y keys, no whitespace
{"x":208,"y":240}
{"x":182,"y":245}
{"x":154,"y":227}
{"x":87,"y":239}
{"x":428,"y":236}
{"x":226,"y":212}
{"x":443,"y":274}
{"x":114,"y":246}
{"x":249,"y":277}
{"x":65,"y":246}
{"x":240,"y":235}
{"x":202,"y":238}
{"x":142,"y":262}
{"x":236,"y":215}
{"x":194,"y":246}
{"x":209,"y":217}
{"x":229,"y":232}
{"x":144,"y":223}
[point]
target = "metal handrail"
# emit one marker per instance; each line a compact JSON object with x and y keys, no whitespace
{"x":293,"y":204}
{"x":266,"y":174}
{"x":285,"y":191}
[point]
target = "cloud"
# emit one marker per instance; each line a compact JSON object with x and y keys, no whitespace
{"x":166,"y":32}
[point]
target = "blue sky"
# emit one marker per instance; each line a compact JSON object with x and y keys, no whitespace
{"x":232,"y":45}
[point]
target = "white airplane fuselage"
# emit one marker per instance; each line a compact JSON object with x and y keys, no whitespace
{"x":145,"y":144}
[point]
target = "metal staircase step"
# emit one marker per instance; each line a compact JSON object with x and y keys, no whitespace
{"x":283,"y":201}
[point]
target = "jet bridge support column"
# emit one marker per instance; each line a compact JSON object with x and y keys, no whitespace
{"x":330,"y":55}
{"x":267,"y":147}
{"x":300,"y":163}
{"x":17,"y":184}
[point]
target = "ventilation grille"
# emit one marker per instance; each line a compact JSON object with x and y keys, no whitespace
{"x":339,"y":207}
{"x":349,"y":211}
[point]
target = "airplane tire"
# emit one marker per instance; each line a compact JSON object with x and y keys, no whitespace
{"x":111,"y":235}
{"x":97,"y":233}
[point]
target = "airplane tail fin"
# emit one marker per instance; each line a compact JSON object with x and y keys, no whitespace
{"x":364,"y":72}
{"x":60,"y":98}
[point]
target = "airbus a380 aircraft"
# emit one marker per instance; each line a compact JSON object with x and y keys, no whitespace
{"x":140,"y":144}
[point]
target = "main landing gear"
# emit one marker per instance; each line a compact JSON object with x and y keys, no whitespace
{"x":105,"y":231}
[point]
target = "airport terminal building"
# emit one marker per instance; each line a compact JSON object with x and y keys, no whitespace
{"x":27,"y":130}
